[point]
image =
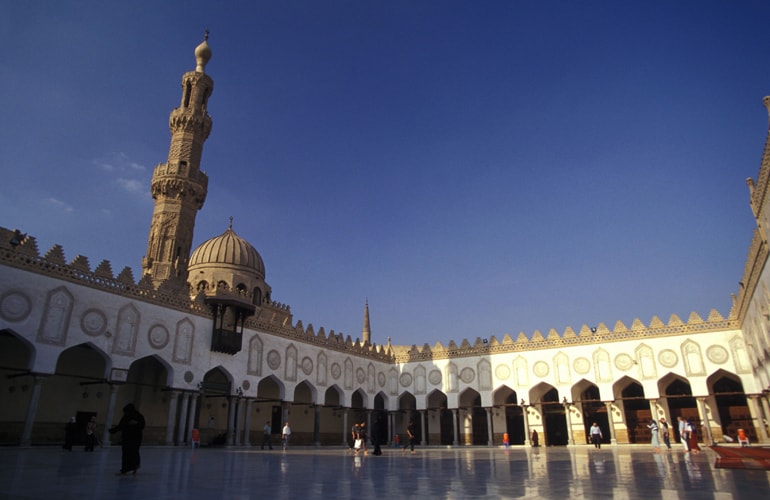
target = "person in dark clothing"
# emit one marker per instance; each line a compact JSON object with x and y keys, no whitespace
{"x":91,"y":438}
{"x":130,"y":427}
{"x":266,"y":436}
{"x":376,"y":437}
{"x":70,"y":434}
{"x":410,"y":435}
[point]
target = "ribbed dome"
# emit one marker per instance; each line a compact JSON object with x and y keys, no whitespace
{"x":228,"y":251}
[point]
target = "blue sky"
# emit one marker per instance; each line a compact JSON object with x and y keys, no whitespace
{"x":472,"y":168}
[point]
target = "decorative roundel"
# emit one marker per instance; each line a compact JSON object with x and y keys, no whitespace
{"x":246,"y":385}
{"x":405,"y":379}
{"x":14,"y":306}
{"x":467,"y":375}
{"x":158,"y":336}
{"x":624,"y":362}
{"x":541,"y":368}
{"x":274,"y":359}
{"x":93,"y":322}
{"x":581,"y":365}
{"x":717,"y":354}
{"x":189,"y":376}
{"x":307,"y":365}
{"x":502,"y":372}
{"x":336,"y":371}
{"x":381,"y":379}
{"x":361,"y":375}
{"x":668,"y":358}
{"x":434,"y":377}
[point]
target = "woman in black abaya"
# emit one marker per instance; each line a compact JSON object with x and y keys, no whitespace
{"x":130,"y":427}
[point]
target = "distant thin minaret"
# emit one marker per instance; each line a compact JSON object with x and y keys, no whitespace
{"x":366,"y":332}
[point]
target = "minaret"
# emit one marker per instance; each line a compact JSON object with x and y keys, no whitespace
{"x":366,"y":332}
{"x":178,"y":186}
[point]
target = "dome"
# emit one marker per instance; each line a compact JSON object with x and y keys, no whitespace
{"x":228,"y":252}
{"x":202,"y":54}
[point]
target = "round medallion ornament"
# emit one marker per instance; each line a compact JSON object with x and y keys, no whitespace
{"x":93,"y":322}
{"x":668,"y":358}
{"x":581,"y":365}
{"x":624,"y":362}
{"x":434,"y":377}
{"x":502,"y":372}
{"x":158,"y":336}
{"x":274,"y":359}
{"x":361,"y":375}
{"x":246,"y":385}
{"x":189,"y":376}
{"x":336,"y":371}
{"x":405,"y":379}
{"x":14,"y":306}
{"x":467,"y":375}
{"x":381,"y":379}
{"x":307,"y":365}
{"x":540,"y":369}
{"x":717,"y":354}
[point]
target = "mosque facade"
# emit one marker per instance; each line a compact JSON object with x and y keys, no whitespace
{"x":200,"y":347}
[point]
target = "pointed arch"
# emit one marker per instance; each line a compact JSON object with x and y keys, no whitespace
{"x":484,"y":369}
{"x":602,"y":365}
{"x":256,"y":347}
{"x":334,"y":396}
{"x":322,"y":369}
{"x":305,"y":394}
{"x":645,"y":359}
{"x":520,"y":371}
{"x":54,"y":324}
{"x":420,"y":382}
{"x":348,"y":374}
{"x":290,"y":370}
{"x":16,"y":352}
{"x":184,"y":341}
{"x":271,"y":389}
{"x":693,"y":358}
{"x":562,"y":371}
{"x":450,"y":378}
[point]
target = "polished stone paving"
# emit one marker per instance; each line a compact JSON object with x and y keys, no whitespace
{"x":624,"y":471}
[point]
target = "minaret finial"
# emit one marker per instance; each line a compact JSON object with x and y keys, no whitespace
{"x":206,"y":35}
{"x":231,"y":223}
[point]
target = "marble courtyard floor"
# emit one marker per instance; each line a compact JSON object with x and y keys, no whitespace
{"x":624,"y":471}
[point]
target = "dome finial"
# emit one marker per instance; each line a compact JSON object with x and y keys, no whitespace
{"x":202,"y":54}
{"x":231,"y":223}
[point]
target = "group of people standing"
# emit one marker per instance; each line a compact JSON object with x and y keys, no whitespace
{"x":687,"y":433}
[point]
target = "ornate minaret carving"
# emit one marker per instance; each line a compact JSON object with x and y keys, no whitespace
{"x":178,"y":186}
{"x":366,"y":331}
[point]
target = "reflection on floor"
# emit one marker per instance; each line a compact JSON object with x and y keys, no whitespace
{"x":479,"y":472}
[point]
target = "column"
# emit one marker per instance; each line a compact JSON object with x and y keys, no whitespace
{"x":247,"y":423}
{"x":110,"y":414}
{"x":756,"y":416}
{"x":704,"y":416}
{"x":29,"y":419}
{"x":238,"y":420}
{"x":285,"y":407}
{"x":317,"y":426}
{"x":766,"y":407}
{"x":611,"y":422}
{"x":423,"y":429}
{"x":568,"y":416}
{"x":172,"y":404}
{"x":230,"y":434}
{"x":527,"y":433}
{"x":182,"y":419}
{"x":345,"y":427}
{"x":456,"y":422}
{"x":490,"y":436}
{"x":191,"y":409}
{"x":369,"y":424}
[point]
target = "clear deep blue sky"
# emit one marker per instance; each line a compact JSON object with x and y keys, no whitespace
{"x":473,"y":168}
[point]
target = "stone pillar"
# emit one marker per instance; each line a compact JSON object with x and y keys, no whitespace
{"x":182,"y":420}
{"x":170,"y":420}
{"x":247,"y":422}
{"x":611,"y":422}
{"x":345,"y":429}
{"x":231,"y":410}
{"x":191,"y":409}
{"x":285,"y":407}
{"x":456,"y":421}
{"x":369,"y":425}
{"x":766,"y":408}
{"x":490,"y":436}
{"x":756,"y":416}
{"x":238,"y":420}
{"x":391,"y":427}
{"x":568,"y":417}
{"x":424,"y":429}
{"x":110,"y":414}
{"x":527,"y":432}
{"x":704,"y":416}
{"x":317,"y":425}
{"x":29,"y":418}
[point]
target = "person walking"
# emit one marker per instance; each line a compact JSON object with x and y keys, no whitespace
{"x":654,"y":441}
{"x":410,"y":436}
{"x":666,"y":435}
{"x":596,"y":435}
{"x":692,"y":437}
{"x":266,"y":436}
{"x":285,"y":433}
{"x":91,"y":439}
{"x":682,"y":433}
{"x":70,"y":434}
{"x":131,"y":427}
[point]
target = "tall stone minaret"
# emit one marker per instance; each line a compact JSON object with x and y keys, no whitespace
{"x":366,"y":331}
{"x":178,"y":186}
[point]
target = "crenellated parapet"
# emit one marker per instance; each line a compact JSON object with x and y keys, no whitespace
{"x":586,"y":336}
